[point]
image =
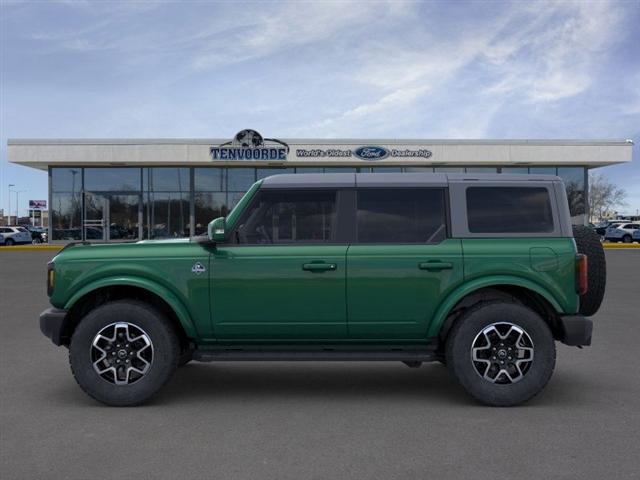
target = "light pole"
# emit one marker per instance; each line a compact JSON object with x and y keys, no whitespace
{"x":18,"y":192}
{"x":9,"y":212}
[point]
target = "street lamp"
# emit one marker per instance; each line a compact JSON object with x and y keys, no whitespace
{"x":18,"y":192}
{"x":9,"y":212}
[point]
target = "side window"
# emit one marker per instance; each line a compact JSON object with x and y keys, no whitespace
{"x":401,"y":215}
{"x":509,"y":210}
{"x":289,"y":216}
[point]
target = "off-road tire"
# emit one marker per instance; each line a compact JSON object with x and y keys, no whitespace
{"x":459,"y":344}
{"x":166,"y":352}
{"x":589,"y":244}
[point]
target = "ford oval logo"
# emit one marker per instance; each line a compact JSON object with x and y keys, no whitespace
{"x":371,"y":153}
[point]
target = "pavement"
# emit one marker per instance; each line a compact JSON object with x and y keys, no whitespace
{"x":318,"y":420}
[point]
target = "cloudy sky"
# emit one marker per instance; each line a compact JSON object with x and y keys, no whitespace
{"x":319,"y":69}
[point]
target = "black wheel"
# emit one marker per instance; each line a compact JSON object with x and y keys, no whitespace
{"x":123,"y":352}
{"x":36,"y":241}
{"x":626,"y":239}
{"x":9,"y":242}
{"x":502,"y":353}
{"x":589,"y":244}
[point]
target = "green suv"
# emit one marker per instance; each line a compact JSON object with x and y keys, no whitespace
{"x":482,"y":273}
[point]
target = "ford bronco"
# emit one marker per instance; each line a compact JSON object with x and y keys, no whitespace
{"x":482,"y":273}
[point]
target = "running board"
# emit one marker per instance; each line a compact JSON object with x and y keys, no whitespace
{"x":240,"y":355}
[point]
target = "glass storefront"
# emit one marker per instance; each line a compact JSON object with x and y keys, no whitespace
{"x":132,"y":203}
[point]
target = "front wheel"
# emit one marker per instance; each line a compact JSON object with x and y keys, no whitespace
{"x":626,"y":239}
{"x":502,"y":353}
{"x":123,"y":352}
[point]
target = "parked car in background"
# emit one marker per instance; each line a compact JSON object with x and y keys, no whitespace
{"x":622,"y":232}
{"x":38,"y":234}
{"x":15,"y":235}
{"x":601,"y":228}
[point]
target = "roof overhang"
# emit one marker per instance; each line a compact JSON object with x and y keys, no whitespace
{"x":43,"y":153}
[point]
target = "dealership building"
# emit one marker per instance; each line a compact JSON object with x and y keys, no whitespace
{"x":133,"y":189}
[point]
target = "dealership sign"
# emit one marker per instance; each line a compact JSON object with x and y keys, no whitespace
{"x":250,"y":145}
{"x":366,"y":152}
{"x":37,"y":204}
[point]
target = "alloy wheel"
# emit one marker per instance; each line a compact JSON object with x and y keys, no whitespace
{"x":121,"y":353}
{"x":502,"y":353}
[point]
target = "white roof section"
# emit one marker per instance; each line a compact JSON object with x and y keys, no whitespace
{"x":42,"y":153}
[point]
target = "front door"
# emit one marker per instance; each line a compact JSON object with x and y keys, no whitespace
{"x":112,"y":217}
{"x":282,"y":277}
{"x":402,"y":263}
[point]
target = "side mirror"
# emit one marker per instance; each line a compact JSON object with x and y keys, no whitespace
{"x":217,"y":230}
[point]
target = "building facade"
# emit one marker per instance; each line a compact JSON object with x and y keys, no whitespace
{"x":125,"y":190}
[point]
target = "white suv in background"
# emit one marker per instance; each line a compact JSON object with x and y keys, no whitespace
{"x":621,"y":233}
{"x":15,"y":235}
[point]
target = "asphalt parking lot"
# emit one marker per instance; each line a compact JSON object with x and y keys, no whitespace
{"x":318,"y":420}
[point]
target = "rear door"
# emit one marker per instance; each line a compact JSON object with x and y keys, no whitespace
{"x":401,"y":264}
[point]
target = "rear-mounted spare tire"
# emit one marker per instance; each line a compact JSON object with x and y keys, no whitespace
{"x":588,"y":243}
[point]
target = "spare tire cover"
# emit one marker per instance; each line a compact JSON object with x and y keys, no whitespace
{"x":588,"y":243}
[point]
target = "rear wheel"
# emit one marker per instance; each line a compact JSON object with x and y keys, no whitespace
{"x":123,"y":352}
{"x":502,"y":353}
{"x":588,"y":243}
{"x":9,"y":242}
{"x":626,"y":239}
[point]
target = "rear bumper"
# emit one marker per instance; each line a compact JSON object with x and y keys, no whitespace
{"x":575,"y":330}
{"x":52,"y":325}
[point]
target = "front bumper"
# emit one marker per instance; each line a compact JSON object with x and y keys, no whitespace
{"x":53,"y":323}
{"x":575,"y":330}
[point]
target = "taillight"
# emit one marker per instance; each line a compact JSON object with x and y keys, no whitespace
{"x":582,"y":274}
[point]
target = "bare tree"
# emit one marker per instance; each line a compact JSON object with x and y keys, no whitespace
{"x":604,"y":196}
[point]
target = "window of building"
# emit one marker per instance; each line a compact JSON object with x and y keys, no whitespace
{"x":65,"y":211}
{"x":481,"y":169}
{"x":573,"y":178}
{"x":290,"y":217}
{"x":543,"y":170}
{"x":509,"y":210}
{"x":166,"y":202}
{"x":112,"y":179}
{"x":240,"y":179}
{"x":514,"y":170}
{"x":390,"y":215}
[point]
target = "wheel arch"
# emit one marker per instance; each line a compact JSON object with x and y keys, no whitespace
{"x":515,"y":290}
{"x":110,"y":289}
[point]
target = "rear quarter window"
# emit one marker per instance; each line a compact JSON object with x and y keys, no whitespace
{"x":509,"y":210}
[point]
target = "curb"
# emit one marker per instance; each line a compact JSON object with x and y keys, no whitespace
{"x":30,"y":248}
{"x":620,"y":246}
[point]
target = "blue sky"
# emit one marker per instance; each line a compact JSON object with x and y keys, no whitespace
{"x":322,"y":69}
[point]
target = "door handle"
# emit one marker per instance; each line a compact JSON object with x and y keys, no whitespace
{"x":319,"y":267}
{"x":435,"y":266}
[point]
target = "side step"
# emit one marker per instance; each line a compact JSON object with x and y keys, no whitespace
{"x":239,"y":355}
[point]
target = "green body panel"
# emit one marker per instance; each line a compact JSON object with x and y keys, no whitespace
{"x":543,"y":265}
{"x":263,"y":292}
{"x":390,"y":297}
{"x":163,"y":268}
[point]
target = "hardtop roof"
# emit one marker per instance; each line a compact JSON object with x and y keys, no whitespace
{"x":414,"y":179}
